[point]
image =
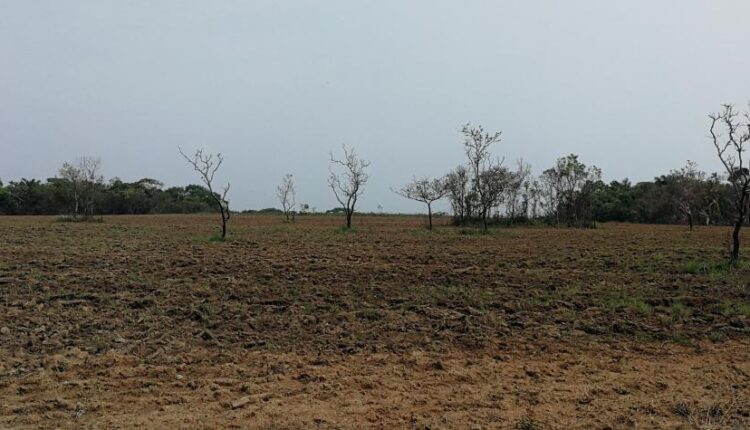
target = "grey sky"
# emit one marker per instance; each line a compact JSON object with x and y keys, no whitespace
{"x":275,"y":85}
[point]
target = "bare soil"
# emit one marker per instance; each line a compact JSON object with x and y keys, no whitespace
{"x":146,"y":322}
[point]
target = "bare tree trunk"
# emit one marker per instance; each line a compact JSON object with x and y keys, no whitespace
{"x":349,"y":218}
{"x":223,"y":224}
{"x":736,"y":242}
{"x":429,"y":215}
{"x":690,"y":220}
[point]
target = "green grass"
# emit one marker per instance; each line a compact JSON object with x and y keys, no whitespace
{"x":679,"y":311}
{"x":89,"y":219}
{"x":346,"y":230}
{"x":214,"y":238}
{"x":370,"y":314}
{"x":706,"y":267}
{"x":732,"y":308}
{"x":619,"y":303}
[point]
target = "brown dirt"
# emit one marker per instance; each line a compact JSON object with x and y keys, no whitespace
{"x":143,"y":322}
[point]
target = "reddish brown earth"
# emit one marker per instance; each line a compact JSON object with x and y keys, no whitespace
{"x":142,"y":322}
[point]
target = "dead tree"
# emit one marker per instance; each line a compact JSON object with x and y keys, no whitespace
{"x":286,"y":195}
{"x":730,"y":146}
{"x":206,"y":165}
{"x":348,"y":185}
{"x":425,"y":190}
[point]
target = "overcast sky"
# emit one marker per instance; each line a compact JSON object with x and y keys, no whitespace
{"x":275,"y":85}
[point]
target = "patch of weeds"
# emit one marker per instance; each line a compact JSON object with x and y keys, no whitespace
{"x":681,"y":339}
{"x":134,"y":278}
{"x":733,"y":308}
{"x":346,"y":230}
{"x":219,"y":238}
{"x":706,"y":268}
{"x":530,"y":303}
{"x":527,"y":423}
{"x":457,"y":296}
{"x":470,"y":231}
{"x":68,"y":218}
{"x":715,"y":337}
{"x":370,"y":314}
{"x":425,"y":231}
{"x":214,"y":238}
{"x":679,"y":311}
{"x":208,"y":308}
{"x":682,"y":409}
{"x":629,"y":303}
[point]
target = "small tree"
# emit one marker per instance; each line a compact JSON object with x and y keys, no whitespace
{"x":730,"y":146}
{"x":348,"y":185}
{"x":206,"y":165}
{"x":425,"y":190}
{"x":286,"y":195}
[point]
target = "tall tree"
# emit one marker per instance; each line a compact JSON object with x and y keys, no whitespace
{"x":348,"y":184}
{"x":457,"y":183}
{"x":687,"y":183}
{"x":206,"y":165}
{"x":568,"y":190}
{"x":477,"y":145}
{"x":730,"y":135}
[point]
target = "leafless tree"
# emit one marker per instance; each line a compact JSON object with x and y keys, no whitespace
{"x":286,"y":194}
{"x":730,"y":135}
{"x":477,"y":143}
{"x":206,"y":165}
{"x":425,"y":190}
{"x":348,"y":184}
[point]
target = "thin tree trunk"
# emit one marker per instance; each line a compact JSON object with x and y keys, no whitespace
{"x":223,"y":224}
{"x":429,"y":215}
{"x":736,"y":241}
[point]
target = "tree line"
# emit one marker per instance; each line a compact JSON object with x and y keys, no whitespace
{"x":482,"y":190}
{"x":568,"y":193}
{"x":81,"y":192}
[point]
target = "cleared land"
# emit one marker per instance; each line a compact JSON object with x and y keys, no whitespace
{"x":145,"y":322}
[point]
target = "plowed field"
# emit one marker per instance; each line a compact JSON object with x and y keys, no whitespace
{"x":145,"y":322}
